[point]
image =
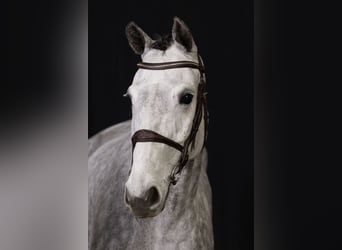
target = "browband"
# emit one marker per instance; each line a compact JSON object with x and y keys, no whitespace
{"x":171,"y":65}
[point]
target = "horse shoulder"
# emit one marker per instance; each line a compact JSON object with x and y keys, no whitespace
{"x":109,"y":161}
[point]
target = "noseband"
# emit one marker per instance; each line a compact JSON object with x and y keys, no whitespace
{"x":145,"y":135}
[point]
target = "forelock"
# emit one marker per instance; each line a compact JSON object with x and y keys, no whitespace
{"x":162,"y":42}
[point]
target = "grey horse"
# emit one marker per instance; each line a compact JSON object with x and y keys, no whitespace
{"x":154,"y":193}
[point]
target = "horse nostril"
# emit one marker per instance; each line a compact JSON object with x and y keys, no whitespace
{"x":152,"y":196}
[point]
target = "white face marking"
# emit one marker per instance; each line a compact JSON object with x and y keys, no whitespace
{"x":155,"y":96}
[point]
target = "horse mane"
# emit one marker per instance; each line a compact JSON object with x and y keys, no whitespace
{"x":162,"y":42}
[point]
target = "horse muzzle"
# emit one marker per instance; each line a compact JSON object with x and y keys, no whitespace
{"x":146,"y":205}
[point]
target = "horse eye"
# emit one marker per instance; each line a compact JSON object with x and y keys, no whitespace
{"x":186,"y":99}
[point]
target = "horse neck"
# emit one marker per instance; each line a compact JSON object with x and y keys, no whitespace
{"x":181,"y":196}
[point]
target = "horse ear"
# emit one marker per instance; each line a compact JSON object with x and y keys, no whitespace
{"x":137,"y":38}
{"x":182,"y":34}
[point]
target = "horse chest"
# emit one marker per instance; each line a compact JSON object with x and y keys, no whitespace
{"x":188,"y":229}
{"x":184,"y":235}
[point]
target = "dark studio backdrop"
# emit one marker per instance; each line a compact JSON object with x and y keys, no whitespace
{"x":297,"y":116}
{"x":223,"y":33}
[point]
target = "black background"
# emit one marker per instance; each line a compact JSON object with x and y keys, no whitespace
{"x":297,"y":125}
{"x":297,"y":104}
{"x":223,"y":33}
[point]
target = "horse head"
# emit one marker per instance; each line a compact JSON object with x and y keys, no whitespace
{"x":168,"y":114}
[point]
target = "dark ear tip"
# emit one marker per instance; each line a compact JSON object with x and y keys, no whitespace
{"x":176,"y":18}
{"x":129,"y":26}
{"x":131,"y":23}
{"x":177,"y":22}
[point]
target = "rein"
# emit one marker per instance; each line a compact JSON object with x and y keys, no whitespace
{"x":145,"y":135}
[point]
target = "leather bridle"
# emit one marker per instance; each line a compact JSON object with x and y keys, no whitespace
{"x":145,"y":135}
